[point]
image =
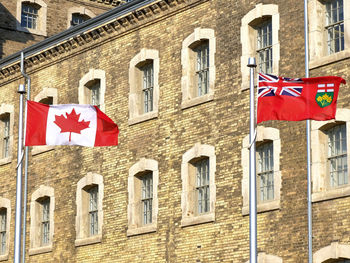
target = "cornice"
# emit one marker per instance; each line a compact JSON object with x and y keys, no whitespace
{"x":114,"y":26}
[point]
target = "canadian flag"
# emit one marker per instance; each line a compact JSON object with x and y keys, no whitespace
{"x":69,"y":124}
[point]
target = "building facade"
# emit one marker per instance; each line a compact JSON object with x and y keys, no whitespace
{"x":172,"y":74}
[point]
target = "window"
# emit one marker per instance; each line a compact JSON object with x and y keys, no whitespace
{"x":335,"y":26}
{"x":41,"y":225}
{"x":143,"y":197}
{"x":5,"y":214}
{"x":330,"y":22}
{"x":259,"y":37}
{"x":92,"y":88}
{"x":330,"y":161}
{"x":198,"y":67}
{"x":6,"y":135}
{"x":268,"y":150}
{"x":3,"y":230}
{"x":334,"y":253}
{"x":89,"y":219}
{"x":265,"y":172}
{"x":31,"y":16}
{"x":78,"y":19}
{"x":6,"y":131}
{"x":144,"y":87}
{"x":198,"y":195}
{"x":264,"y":46}
{"x":77,"y":15}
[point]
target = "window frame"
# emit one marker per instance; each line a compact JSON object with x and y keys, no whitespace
{"x":334,"y":251}
{"x":318,"y":36}
{"x":321,"y":189}
{"x":82,"y":220}
{"x":78,"y":10}
{"x":84,"y":92}
{"x":136,"y":99}
{"x":188,"y":176}
{"x":140,"y":169}
{"x":249,"y":38}
{"x":264,"y":134}
{"x":36,"y":212}
{"x":189,"y":83}
{"x":41,"y":21}
{"x":6,"y":204}
{"x":7,"y":110}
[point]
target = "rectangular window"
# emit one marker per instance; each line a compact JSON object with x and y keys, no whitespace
{"x":202,"y":68}
{"x":29,"y":16}
{"x":202,"y":185}
{"x":147,"y":87}
{"x":337,"y":156}
{"x":6,"y":138}
{"x":94,"y":87}
{"x":264,"y":47}
{"x":335,"y":26}
{"x":93,"y":210}
{"x":3,"y":218}
{"x":45,"y":222}
{"x":147,"y":198}
{"x":265,"y":171}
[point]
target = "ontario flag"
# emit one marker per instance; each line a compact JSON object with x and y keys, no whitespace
{"x":69,"y":124}
{"x":297,"y":99}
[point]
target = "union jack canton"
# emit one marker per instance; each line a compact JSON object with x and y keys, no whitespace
{"x":270,"y":85}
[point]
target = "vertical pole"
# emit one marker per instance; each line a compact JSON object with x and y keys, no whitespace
{"x":308,"y":138}
{"x":252,"y":170}
{"x":18,"y":217}
{"x":25,"y":165}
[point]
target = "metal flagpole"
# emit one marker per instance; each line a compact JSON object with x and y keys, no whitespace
{"x":308,"y":138}
{"x":252,"y":170}
{"x":18,"y":215}
{"x":25,"y":164}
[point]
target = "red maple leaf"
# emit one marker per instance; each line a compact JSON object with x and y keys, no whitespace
{"x":71,"y":123}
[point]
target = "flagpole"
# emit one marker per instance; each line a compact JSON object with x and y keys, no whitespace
{"x":308,"y":138}
{"x":252,"y":170}
{"x":18,"y":213}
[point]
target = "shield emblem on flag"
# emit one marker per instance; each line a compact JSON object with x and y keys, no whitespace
{"x":324,"y":97}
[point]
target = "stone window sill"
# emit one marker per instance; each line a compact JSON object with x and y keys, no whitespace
{"x":331,"y":194}
{"x":195,"y":220}
{"x":197,"y":101}
{"x":263,"y":207}
{"x":141,"y":230}
{"x":4,"y":257}
{"x":88,"y":240}
{"x":322,"y":61}
{"x":32,"y":31}
{"x":41,"y":149}
{"x":5,"y":160}
{"x":40,"y":250}
{"x":144,"y":117}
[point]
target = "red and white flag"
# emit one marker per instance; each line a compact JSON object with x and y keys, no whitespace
{"x":69,"y":124}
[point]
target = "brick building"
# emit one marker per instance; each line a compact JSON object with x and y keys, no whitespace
{"x":173,"y":75}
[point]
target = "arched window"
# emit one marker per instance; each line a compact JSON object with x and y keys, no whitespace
{"x":77,"y":15}
{"x":334,"y":253}
{"x":5,"y":220}
{"x":6,"y":131}
{"x":31,"y":16}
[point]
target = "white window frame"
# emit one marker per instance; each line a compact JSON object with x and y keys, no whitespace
{"x":36,"y":218}
{"x":41,"y":21}
{"x":249,"y":38}
{"x":45,"y":93}
{"x":84,"y":92}
{"x":135,"y":226}
{"x":319,"y":145}
{"x":83,"y":236}
{"x":188,"y":62}
{"x":78,"y":10}
{"x":334,"y":251}
{"x":263,"y":134}
{"x":188,"y":206}
{"x":136,"y":112}
{"x":6,"y":203}
{"x":318,"y":38}
{"x":7,"y":109}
